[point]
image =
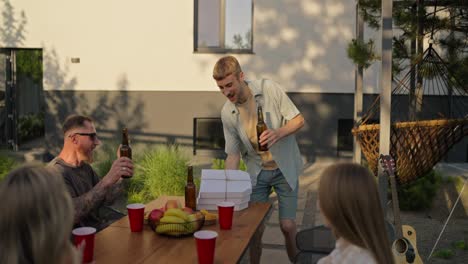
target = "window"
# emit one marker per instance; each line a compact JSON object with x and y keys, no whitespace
{"x":208,"y":134}
{"x":223,"y":26}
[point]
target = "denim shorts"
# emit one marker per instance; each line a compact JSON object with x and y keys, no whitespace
{"x":268,"y":180}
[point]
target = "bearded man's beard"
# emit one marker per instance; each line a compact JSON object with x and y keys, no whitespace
{"x":86,"y":156}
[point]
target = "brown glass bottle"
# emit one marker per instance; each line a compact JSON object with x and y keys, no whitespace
{"x":261,"y":126}
{"x":125,"y":149}
{"x":190,"y":191}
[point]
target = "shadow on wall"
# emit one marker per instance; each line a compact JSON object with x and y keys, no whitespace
{"x":12,"y":29}
{"x":303,"y":47}
{"x":110,"y":111}
{"x":302,"y":44}
{"x":298,"y":47}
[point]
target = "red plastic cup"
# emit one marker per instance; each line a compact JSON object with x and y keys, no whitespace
{"x":136,"y":214}
{"x":206,"y":242}
{"x":85,"y":234}
{"x":225,"y":212}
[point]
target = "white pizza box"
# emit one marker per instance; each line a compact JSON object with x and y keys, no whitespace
{"x":214,"y":207}
{"x":225,"y":184}
{"x":219,"y":200}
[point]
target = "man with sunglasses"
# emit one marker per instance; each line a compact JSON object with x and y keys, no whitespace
{"x":89,"y":193}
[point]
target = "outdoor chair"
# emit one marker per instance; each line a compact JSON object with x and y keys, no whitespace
{"x":313,"y":244}
{"x":109,"y":214}
{"x":110,"y":211}
{"x":317,"y":242}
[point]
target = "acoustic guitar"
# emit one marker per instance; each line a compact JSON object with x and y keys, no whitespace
{"x":404,"y":247}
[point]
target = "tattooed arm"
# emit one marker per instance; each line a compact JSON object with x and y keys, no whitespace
{"x":85,"y":203}
{"x":122,"y":167}
{"x":105,"y":189}
{"x":115,"y":191}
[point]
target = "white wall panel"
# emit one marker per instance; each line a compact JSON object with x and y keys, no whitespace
{"x":147,"y":45}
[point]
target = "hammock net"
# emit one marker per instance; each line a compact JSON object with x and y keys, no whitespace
{"x":429,"y":115}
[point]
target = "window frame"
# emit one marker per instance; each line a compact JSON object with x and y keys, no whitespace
{"x":221,"y":33}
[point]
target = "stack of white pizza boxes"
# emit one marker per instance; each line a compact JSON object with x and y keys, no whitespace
{"x":224,"y":185}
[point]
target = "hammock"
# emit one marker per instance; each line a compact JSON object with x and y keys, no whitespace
{"x":427,"y":119}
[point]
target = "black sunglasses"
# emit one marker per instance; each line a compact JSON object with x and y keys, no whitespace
{"x":92,"y":136}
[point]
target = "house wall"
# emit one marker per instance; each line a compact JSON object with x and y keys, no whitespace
{"x":167,"y":117}
{"x":138,"y":67}
{"x":149,"y":45}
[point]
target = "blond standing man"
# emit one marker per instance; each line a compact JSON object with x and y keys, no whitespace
{"x":278,"y":168}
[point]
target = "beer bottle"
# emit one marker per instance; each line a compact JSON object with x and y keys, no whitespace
{"x":261,"y":126}
{"x":190,"y":190}
{"x":125,"y":149}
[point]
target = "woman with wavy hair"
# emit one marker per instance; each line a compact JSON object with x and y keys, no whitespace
{"x":349,"y":201}
{"x":36,"y":218}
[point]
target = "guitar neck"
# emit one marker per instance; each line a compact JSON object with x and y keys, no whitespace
{"x":396,"y":207}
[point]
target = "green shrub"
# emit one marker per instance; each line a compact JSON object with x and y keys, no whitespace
{"x":448,"y":253}
{"x":458,"y":182}
{"x":104,"y":156}
{"x":30,"y":126}
{"x":162,"y":170}
{"x":419,"y":194}
{"x":218,"y":164}
{"x":444,"y":253}
{"x":6,"y":165}
{"x":460,"y":245}
{"x":158,"y":170}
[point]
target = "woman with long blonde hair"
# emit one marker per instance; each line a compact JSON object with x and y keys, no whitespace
{"x":349,"y":202}
{"x":36,"y":218}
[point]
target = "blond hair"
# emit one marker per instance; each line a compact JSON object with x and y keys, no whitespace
{"x":37,"y":217}
{"x":349,"y":199}
{"x":226,"y":66}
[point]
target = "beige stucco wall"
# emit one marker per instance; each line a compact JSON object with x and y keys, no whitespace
{"x":148,"y":45}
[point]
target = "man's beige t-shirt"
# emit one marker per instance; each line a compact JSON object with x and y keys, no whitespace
{"x":248,"y":117}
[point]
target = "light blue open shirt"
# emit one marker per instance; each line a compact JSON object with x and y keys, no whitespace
{"x":277,"y":110}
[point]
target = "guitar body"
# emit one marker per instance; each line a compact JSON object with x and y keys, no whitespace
{"x":404,"y":249}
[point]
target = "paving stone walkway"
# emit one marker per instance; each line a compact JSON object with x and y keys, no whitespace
{"x":307,"y":215}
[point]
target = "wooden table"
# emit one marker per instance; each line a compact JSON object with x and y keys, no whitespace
{"x":117,"y":244}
